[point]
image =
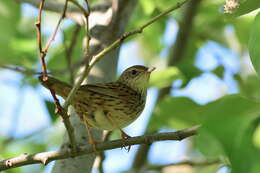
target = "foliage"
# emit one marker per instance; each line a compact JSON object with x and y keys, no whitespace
{"x":230,"y":125}
{"x":254,"y":49}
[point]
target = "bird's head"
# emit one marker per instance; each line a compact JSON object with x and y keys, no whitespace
{"x":137,"y":77}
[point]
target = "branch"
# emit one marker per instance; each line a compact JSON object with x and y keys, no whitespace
{"x":20,"y":69}
{"x":38,"y":29}
{"x":30,"y":72}
{"x":87,"y":52}
{"x":97,"y":57}
{"x":46,"y":157}
{"x":55,"y":6}
{"x":44,"y":77}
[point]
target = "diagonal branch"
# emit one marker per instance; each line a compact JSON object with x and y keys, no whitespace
{"x":46,"y":157}
{"x":114,"y":45}
{"x":20,"y":69}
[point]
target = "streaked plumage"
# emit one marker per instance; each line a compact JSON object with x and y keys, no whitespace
{"x":108,"y":106}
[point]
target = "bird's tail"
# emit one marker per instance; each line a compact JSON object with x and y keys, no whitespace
{"x":61,"y":88}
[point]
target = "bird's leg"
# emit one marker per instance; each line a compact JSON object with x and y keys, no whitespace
{"x":91,"y":140}
{"x":124,"y":136}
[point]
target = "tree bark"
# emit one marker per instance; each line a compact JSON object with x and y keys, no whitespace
{"x":104,"y":71}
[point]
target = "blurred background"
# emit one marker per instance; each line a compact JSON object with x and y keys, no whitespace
{"x":203,"y":75}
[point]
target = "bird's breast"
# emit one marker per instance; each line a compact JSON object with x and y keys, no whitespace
{"x":109,"y":113}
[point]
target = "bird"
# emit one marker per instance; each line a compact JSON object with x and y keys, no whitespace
{"x":108,"y":106}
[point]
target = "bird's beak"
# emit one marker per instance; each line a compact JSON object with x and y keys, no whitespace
{"x":150,"y":69}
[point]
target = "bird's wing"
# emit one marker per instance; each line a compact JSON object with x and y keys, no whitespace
{"x":113,"y":89}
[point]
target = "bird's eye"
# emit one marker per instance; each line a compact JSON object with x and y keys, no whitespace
{"x":133,"y":72}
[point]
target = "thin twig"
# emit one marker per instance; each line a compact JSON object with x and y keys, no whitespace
{"x":43,"y":53}
{"x":30,"y":72}
{"x":87,"y":51}
{"x":97,"y":57}
{"x":20,"y":70}
{"x":85,"y":13}
{"x":57,"y":27}
{"x":46,"y":157}
{"x":66,"y":120}
{"x":38,"y":29}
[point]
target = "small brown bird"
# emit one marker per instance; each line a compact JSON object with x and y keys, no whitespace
{"x":108,"y":106}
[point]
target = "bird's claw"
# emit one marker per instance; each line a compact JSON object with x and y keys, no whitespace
{"x":124,"y":137}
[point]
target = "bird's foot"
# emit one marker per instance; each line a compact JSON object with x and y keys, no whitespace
{"x":125,"y":136}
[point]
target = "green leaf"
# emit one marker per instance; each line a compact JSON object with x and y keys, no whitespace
{"x":246,"y":7}
{"x":219,"y":71}
{"x":148,"y":6}
{"x":161,"y":79}
{"x":250,"y":87}
{"x":189,"y":71}
{"x":230,"y":120}
{"x":242,"y":26}
{"x":51,"y":109}
{"x":179,"y":112}
{"x":256,"y":137}
{"x":254,"y":44}
{"x":187,"y":63}
{"x":164,"y":4}
{"x":9,"y":18}
{"x":151,"y":39}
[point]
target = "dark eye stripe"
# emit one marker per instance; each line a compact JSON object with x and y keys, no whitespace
{"x":133,"y":72}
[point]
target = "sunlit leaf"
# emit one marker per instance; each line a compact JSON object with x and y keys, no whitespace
{"x":253,"y":45}
{"x":256,"y":137}
{"x":242,"y":27}
{"x":230,"y":120}
{"x":151,"y":40}
{"x":148,"y":6}
{"x":164,"y":78}
{"x":249,"y":87}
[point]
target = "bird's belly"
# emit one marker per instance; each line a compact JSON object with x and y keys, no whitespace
{"x":109,"y":120}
